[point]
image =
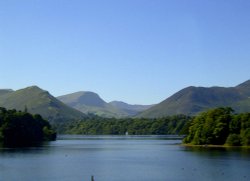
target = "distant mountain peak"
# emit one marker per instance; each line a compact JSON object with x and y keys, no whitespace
{"x":83,"y":97}
{"x":90,"y":102}
{"x":118,"y":102}
{"x":34,"y":87}
{"x":5,"y":91}
{"x":80,"y":93}
{"x":131,"y":109}
{"x":125,"y":104}
{"x":10,"y":90}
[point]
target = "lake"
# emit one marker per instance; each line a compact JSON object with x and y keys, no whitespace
{"x":123,"y":158}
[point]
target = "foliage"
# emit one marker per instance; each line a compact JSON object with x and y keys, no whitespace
{"x":219,"y":126}
{"x":233,"y":140}
{"x":134,"y":126}
{"x":21,"y":128}
{"x":37,"y":101}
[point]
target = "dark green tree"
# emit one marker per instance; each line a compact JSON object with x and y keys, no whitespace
{"x":21,"y":128}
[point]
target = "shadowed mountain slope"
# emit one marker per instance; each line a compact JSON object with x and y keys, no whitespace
{"x":131,"y":110}
{"x":192,"y":100}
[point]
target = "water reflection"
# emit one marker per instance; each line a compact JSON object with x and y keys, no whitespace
{"x":120,"y":137}
{"x":221,"y":152}
{"x":219,"y":163}
{"x":123,"y":158}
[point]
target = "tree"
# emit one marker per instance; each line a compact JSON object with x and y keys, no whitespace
{"x":211,"y":127}
{"x":21,"y":128}
{"x":233,"y":140}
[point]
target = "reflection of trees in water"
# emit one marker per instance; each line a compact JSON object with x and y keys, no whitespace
{"x":219,"y":151}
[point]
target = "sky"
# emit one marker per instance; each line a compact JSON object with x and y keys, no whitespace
{"x":136,"y":51}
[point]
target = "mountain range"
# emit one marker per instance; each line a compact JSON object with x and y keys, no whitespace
{"x":68,"y":107}
{"x":131,"y":110}
{"x":189,"y":101}
{"x":192,"y":100}
{"x":90,"y":102}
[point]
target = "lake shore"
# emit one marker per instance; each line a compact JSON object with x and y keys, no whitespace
{"x":214,"y":146}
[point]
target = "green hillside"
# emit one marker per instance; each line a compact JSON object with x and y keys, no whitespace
{"x":38,"y":101}
{"x":192,"y":100}
{"x":188,"y":101}
{"x":131,"y":110}
{"x":90,"y":102}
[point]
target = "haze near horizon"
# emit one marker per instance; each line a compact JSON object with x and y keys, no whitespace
{"x":139,"y":52}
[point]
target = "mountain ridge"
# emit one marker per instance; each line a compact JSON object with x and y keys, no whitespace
{"x":39,"y":101}
{"x":91,"y":103}
{"x":131,"y":109}
{"x":5,"y":91}
{"x":192,"y":100}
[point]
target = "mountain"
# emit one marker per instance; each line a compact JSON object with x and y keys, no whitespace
{"x":192,"y":100}
{"x":38,"y":101}
{"x":189,"y":101}
{"x":131,"y":110}
{"x":90,"y":102}
{"x":5,"y":91}
{"x":244,"y":88}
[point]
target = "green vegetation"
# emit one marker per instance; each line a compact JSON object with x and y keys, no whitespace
{"x":219,"y":127}
{"x":188,"y":101}
{"x":38,"y":101}
{"x":138,"y":126}
{"x":22,"y":129}
{"x":194,"y":100}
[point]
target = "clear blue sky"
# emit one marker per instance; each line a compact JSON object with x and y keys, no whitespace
{"x":137,"y":51}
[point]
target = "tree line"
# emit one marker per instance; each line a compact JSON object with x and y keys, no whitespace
{"x":133,"y":126}
{"x":219,"y":127}
{"x":19,"y":128}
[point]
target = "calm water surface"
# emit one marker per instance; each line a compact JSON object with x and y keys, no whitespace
{"x":123,"y":158}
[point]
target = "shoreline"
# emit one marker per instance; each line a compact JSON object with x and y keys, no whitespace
{"x":214,"y":146}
